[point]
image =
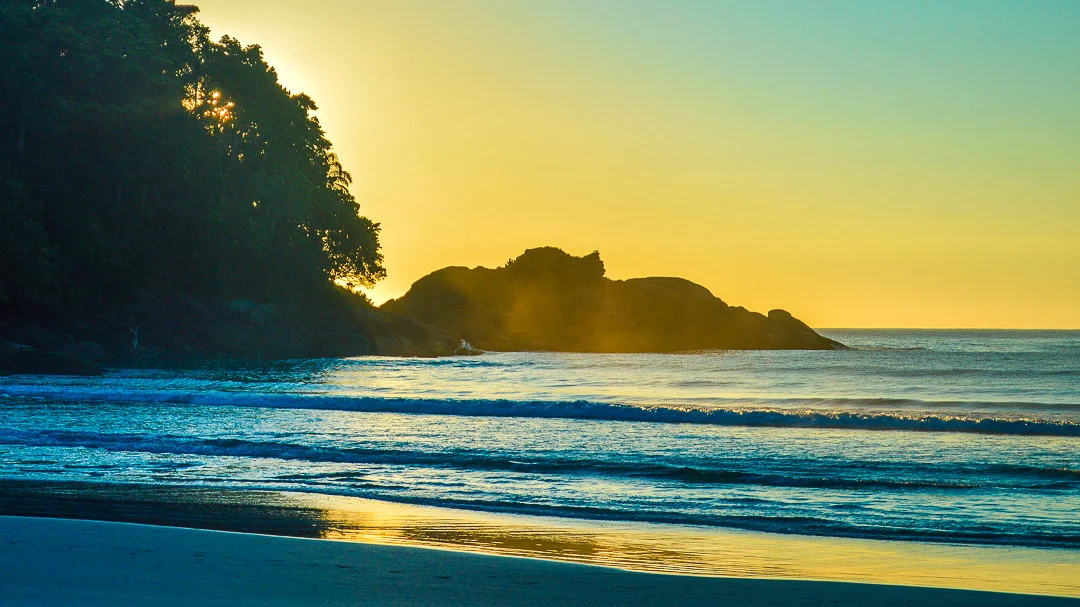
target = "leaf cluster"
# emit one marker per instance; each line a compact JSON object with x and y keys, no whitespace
{"x":138,"y":154}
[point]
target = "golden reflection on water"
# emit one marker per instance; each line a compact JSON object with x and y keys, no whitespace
{"x":684,"y":550}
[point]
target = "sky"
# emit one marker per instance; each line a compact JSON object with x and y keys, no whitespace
{"x":860,"y":164}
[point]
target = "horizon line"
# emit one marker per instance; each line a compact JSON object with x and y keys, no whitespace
{"x":1075,"y":329}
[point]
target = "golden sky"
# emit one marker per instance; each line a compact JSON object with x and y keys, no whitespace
{"x":860,"y":164}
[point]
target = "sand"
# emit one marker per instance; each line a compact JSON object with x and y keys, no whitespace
{"x":74,"y":562}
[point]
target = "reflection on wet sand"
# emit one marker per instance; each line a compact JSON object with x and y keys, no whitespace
{"x":703,"y":551}
{"x":642,"y":547}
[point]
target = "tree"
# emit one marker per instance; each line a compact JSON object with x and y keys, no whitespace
{"x":135,"y":153}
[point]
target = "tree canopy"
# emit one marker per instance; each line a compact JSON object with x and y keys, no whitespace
{"x":137,"y":153}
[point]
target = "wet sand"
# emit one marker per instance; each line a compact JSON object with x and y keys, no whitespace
{"x":652,"y":548}
{"x":75,"y":562}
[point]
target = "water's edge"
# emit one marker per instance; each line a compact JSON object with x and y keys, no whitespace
{"x":653,"y":548}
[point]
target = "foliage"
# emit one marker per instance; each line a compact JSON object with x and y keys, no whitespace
{"x":137,"y":154}
{"x":552,"y":264}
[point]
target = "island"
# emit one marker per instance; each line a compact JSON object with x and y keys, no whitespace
{"x":546,"y":299}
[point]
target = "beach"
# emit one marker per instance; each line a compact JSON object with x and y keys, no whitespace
{"x":54,"y":521}
{"x":936,"y":460}
{"x":541,"y":303}
{"x":73,"y":562}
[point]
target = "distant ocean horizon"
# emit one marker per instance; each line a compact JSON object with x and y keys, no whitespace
{"x":960,"y":436}
{"x":949,"y":329}
{"x":954,"y":329}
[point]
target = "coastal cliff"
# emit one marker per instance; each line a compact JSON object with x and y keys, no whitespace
{"x":549,"y":300}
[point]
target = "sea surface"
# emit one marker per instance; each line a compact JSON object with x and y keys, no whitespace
{"x":969,"y":437}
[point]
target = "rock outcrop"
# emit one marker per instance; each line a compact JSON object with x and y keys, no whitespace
{"x":549,"y":300}
{"x":184,"y":330}
{"x":543,"y":300}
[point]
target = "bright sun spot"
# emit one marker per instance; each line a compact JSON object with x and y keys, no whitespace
{"x":222,"y":112}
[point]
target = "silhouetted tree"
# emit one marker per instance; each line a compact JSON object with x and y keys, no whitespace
{"x":136,"y":153}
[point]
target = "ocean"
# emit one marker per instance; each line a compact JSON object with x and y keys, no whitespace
{"x":961,"y":437}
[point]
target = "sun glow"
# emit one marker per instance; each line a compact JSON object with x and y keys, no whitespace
{"x":212,"y":106}
{"x":829,"y":162}
{"x":219,"y":110}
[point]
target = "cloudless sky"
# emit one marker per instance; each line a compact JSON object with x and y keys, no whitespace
{"x":877,"y":164}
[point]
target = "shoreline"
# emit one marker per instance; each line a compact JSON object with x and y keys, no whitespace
{"x":633,"y":547}
{"x":78,"y":562}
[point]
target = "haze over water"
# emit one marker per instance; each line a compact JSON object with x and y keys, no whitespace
{"x":967,"y":437}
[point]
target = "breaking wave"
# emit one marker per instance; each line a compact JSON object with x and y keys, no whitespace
{"x":797,"y":413}
{"x":1029,"y":477}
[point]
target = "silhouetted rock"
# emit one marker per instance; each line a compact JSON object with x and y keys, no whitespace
{"x":543,"y":300}
{"x":24,"y":359}
{"x":85,"y":350}
{"x":549,"y":300}
{"x":183,"y":330}
{"x":397,"y":336}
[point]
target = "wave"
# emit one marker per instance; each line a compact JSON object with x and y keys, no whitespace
{"x":749,"y":415}
{"x":1062,"y":478}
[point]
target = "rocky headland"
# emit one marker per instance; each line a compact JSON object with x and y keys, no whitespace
{"x":545,"y":300}
{"x":549,"y":300}
{"x":184,"y":330}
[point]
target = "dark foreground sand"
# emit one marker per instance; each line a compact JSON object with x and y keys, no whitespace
{"x":72,"y":562}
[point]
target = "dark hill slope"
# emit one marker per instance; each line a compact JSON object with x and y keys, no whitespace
{"x":549,"y":300}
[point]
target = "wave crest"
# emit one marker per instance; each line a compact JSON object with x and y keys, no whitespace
{"x":748,"y":416}
{"x":1023,"y":477}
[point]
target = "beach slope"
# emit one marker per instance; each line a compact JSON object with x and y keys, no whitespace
{"x":72,"y":562}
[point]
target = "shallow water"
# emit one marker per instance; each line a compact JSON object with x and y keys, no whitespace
{"x":950,"y":436}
